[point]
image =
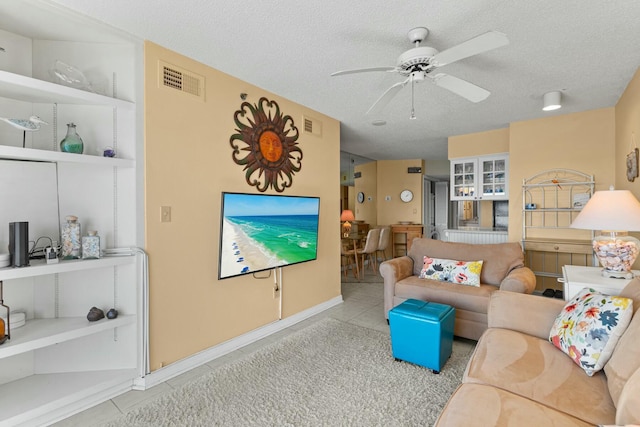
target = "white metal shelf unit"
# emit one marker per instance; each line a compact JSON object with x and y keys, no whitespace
{"x":551,"y":200}
{"x":59,"y":360}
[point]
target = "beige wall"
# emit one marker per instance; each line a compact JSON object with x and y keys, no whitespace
{"x":187,"y":165}
{"x":367,"y":183}
{"x":388,"y":178}
{"x":392,"y":179}
{"x":627,"y":130}
{"x":581,"y":141}
{"x":479,"y":144}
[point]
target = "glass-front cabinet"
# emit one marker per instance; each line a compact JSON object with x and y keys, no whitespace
{"x":480,"y":178}
{"x":463,"y":179}
{"x":493,"y":177}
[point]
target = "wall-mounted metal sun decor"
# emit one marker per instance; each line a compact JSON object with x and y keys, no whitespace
{"x":266,"y":145}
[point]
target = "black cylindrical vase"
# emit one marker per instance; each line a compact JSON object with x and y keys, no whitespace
{"x":19,"y":243}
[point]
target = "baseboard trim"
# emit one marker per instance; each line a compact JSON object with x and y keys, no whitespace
{"x":176,"y":368}
{"x":52,"y":413}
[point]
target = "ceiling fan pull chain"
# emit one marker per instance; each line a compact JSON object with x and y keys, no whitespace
{"x":412,"y":116}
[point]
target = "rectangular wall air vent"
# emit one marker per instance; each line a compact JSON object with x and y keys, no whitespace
{"x":311,"y":126}
{"x":308,"y":125}
{"x":173,"y":77}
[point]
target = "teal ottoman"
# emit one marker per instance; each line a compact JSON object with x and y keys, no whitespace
{"x":422,"y":333}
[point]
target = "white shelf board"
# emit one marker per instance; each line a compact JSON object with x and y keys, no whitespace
{"x":39,"y":333}
{"x":40,"y":267}
{"x":35,"y":395}
{"x":23,"y":88}
{"x":19,"y":153}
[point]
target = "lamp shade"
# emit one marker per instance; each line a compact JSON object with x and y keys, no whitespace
{"x":551,"y":101}
{"x":610,"y":210}
{"x":347,"y":215}
{"x":613,"y":212}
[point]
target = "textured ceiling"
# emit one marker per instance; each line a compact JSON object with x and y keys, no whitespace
{"x":588,"y":49}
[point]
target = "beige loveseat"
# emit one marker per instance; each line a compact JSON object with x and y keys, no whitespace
{"x":503,"y":268}
{"x":516,"y":377}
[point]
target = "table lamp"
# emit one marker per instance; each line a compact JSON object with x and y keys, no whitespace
{"x":346,"y":216}
{"x":613,"y":213}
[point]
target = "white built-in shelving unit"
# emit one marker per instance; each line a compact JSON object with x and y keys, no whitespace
{"x":59,"y":362}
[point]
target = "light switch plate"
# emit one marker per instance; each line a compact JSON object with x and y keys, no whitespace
{"x":165,"y":213}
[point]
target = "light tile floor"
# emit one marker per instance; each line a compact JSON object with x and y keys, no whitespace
{"x":363,"y":305}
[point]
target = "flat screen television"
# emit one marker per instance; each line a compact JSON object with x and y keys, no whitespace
{"x":259,"y":232}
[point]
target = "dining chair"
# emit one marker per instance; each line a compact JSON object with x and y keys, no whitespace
{"x":348,"y":255}
{"x":383,"y":243}
{"x":369,"y":249}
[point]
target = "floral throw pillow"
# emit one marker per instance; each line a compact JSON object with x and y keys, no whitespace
{"x":449,"y":270}
{"x":589,"y":326}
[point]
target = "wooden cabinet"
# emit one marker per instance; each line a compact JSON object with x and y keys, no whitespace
{"x":59,"y":363}
{"x":480,"y":178}
{"x":402,"y":236}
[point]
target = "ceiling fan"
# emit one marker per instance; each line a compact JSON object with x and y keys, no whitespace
{"x":420,"y":62}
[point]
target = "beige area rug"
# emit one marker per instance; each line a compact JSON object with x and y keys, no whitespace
{"x":331,"y":373}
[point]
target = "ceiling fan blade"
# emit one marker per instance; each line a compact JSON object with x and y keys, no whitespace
{"x":363,"y":70}
{"x":387,"y":96}
{"x":482,"y":43}
{"x":461,"y":87}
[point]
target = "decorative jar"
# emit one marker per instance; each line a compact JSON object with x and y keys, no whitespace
{"x":72,"y":143}
{"x":71,"y":244}
{"x":91,"y":245}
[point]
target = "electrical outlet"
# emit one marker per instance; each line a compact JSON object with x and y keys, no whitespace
{"x":276,"y":291}
{"x":165,"y":213}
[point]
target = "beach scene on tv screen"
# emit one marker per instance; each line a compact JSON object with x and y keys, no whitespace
{"x":260,"y":232}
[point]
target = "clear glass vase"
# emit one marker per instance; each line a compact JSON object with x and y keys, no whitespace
{"x":72,"y":143}
{"x":91,"y":245}
{"x":71,"y":243}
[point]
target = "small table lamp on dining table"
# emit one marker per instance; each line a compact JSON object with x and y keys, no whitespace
{"x":346,"y":216}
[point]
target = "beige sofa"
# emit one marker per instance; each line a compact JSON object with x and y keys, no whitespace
{"x":503,"y":268}
{"x":516,"y":377}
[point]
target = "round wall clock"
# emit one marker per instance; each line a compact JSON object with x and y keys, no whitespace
{"x":360,"y":197}
{"x":406,"y":196}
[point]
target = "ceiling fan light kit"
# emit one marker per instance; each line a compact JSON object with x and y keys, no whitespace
{"x":552,"y":101}
{"x":418,"y":63}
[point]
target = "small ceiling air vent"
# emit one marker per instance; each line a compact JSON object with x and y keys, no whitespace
{"x":180,"y":79}
{"x":311,"y":126}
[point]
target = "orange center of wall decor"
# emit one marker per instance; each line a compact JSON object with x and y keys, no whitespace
{"x":270,"y":146}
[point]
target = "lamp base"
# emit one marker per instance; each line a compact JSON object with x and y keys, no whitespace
{"x":616,"y":252}
{"x":617,"y":274}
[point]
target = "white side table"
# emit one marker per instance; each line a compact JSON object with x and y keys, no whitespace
{"x":577,"y":277}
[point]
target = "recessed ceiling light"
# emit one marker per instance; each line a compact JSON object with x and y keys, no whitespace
{"x":379,"y":122}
